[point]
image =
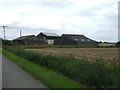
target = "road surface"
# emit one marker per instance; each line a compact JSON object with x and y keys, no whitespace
{"x":14,"y":77}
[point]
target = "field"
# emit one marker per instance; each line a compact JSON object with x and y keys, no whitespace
{"x":47,"y":76}
{"x":87,"y":53}
{"x":107,"y":44}
{"x":98,"y":73}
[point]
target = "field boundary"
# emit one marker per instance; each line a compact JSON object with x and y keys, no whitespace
{"x":49,"y":77}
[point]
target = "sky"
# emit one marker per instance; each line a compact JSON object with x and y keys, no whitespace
{"x":96,"y":19}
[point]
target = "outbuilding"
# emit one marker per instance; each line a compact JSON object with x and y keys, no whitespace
{"x":49,"y":38}
{"x":74,"y":39}
{"x":28,"y":40}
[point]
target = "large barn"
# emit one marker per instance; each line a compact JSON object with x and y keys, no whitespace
{"x":55,"y":39}
{"x":29,"y":40}
{"x":73,"y":39}
{"x":48,"y":37}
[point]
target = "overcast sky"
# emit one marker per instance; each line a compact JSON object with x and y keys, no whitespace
{"x":96,"y":19}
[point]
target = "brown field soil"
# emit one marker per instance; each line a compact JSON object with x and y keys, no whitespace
{"x":106,"y":44}
{"x":87,"y":53}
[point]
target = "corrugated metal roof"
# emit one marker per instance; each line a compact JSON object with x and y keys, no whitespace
{"x":50,"y":34}
{"x":29,"y":37}
{"x":79,"y":38}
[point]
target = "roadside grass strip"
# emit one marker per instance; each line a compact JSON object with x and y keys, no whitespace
{"x":0,"y":50}
{"x":47,"y":76}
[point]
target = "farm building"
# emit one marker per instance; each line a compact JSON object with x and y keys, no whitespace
{"x":29,"y":40}
{"x":73,"y":39}
{"x":48,"y":37}
{"x":53,"y":38}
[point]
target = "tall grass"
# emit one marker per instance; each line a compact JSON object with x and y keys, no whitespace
{"x":93,"y":74}
{"x":66,"y":46}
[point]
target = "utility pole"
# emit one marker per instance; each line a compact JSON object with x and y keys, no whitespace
{"x":4,"y":30}
{"x":20,"y":33}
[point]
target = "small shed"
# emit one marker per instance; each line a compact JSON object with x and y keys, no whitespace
{"x":74,"y":39}
{"x":48,"y":37}
{"x":28,"y":40}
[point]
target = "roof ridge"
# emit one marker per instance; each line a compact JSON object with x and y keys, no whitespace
{"x":27,"y":36}
{"x":50,"y":34}
{"x":73,"y":34}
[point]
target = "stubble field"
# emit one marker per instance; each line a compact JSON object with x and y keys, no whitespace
{"x":87,"y":53}
{"x":97,"y":73}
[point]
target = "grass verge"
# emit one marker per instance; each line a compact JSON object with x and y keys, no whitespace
{"x":48,"y":77}
{"x":97,"y":74}
{"x":0,"y":50}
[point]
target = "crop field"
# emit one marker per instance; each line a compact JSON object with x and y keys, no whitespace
{"x":97,"y":73}
{"x":87,"y":53}
{"x":106,"y":44}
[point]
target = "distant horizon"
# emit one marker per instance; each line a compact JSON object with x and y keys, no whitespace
{"x":61,"y":35}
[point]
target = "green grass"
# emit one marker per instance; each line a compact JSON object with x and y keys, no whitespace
{"x":66,"y":46}
{"x":48,"y":77}
{"x":54,"y":46}
{"x":92,"y":74}
{"x":0,"y":50}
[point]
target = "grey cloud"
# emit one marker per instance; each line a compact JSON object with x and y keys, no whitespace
{"x":105,"y":25}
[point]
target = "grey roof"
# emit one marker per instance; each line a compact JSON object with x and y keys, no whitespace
{"x":76,"y":37}
{"x":29,"y":37}
{"x":50,"y":34}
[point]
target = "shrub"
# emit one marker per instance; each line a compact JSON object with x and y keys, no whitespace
{"x":92,"y":74}
{"x":6,"y":42}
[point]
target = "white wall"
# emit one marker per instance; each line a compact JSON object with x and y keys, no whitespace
{"x":50,"y":42}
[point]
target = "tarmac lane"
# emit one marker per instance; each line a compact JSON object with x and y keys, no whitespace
{"x":14,"y":77}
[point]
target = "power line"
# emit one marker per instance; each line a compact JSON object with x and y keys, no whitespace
{"x":48,"y":9}
{"x":4,"y":30}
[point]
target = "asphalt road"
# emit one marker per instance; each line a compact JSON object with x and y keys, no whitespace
{"x":14,"y":77}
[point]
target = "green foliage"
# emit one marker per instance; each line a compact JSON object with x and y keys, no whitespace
{"x":0,"y":50}
{"x":6,"y":42}
{"x":58,"y":46}
{"x":48,"y":77}
{"x":67,"y":46}
{"x":93,"y":74}
{"x":0,"y":43}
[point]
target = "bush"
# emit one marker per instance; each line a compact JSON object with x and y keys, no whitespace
{"x":6,"y":42}
{"x":92,"y":74}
